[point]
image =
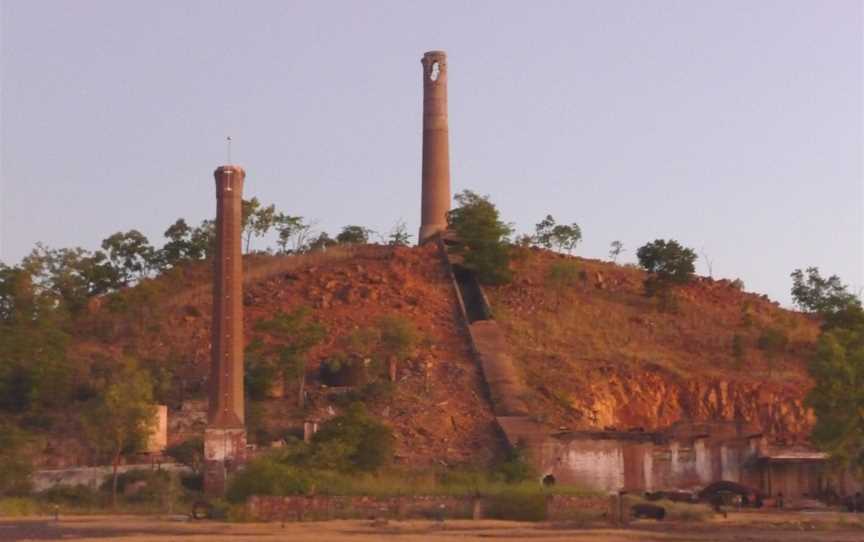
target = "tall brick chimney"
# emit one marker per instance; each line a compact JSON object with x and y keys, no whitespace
{"x":436,"y":152}
{"x":225,"y":436}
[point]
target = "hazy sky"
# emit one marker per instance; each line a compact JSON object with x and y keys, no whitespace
{"x":732,"y":126}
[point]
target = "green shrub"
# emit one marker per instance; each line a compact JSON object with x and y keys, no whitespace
{"x":517,"y":505}
{"x":353,"y":442}
{"x":259,"y":376}
{"x":398,"y":336}
{"x":266,"y":476}
{"x":517,"y":466}
{"x":257,"y":427}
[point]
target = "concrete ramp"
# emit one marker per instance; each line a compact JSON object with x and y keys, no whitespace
{"x":507,"y":391}
{"x":506,"y":388}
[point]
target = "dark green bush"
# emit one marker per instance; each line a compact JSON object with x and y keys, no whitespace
{"x":266,"y":476}
{"x":259,"y":376}
{"x":352,"y":442}
{"x":190,"y":452}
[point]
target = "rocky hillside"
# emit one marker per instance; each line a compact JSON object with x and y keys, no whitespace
{"x":596,"y":354}
{"x":600,"y":354}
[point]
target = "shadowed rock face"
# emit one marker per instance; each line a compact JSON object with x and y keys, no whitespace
{"x":436,"y":153}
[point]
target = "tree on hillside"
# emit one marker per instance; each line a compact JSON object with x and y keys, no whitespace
{"x":34,"y":370}
{"x":549,"y":234}
{"x":293,"y":233}
{"x":322,"y":242}
{"x":257,"y":220}
{"x":186,"y":243}
{"x":121,"y":418}
{"x":70,"y":275}
{"x":130,"y":254}
{"x":668,"y":264}
{"x":615,"y":250}
{"x":817,"y":295}
{"x":566,"y":236}
{"x":204,"y":238}
{"x":177,"y":248}
{"x":837,"y":397}
{"x":477,"y":223}
{"x":543,"y":232}
{"x":399,"y":236}
{"x":353,"y":235}
{"x":286,"y":341}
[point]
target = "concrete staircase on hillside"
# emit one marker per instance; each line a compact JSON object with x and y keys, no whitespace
{"x":507,"y":391}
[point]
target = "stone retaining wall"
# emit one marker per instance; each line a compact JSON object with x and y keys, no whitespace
{"x":321,"y":507}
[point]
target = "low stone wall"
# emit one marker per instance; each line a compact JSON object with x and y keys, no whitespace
{"x":297,"y":508}
{"x":350,"y":507}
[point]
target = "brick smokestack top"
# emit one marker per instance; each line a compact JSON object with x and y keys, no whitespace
{"x":436,"y":152}
{"x":226,"y":368}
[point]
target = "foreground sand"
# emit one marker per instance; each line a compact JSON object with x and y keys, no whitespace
{"x":750,"y":526}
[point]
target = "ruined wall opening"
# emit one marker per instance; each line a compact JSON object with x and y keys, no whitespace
{"x":435,"y":71}
{"x":548,"y":480}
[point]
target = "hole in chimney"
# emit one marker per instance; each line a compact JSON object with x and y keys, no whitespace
{"x":436,"y":70}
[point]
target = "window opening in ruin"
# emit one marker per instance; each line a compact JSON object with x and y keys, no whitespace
{"x":548,"y":480}
{"x":436,"y":70}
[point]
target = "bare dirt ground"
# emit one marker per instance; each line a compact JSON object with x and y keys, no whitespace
{"x":755,"y":526}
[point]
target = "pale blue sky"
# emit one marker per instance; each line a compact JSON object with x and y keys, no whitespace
{"x":732,"y":126}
